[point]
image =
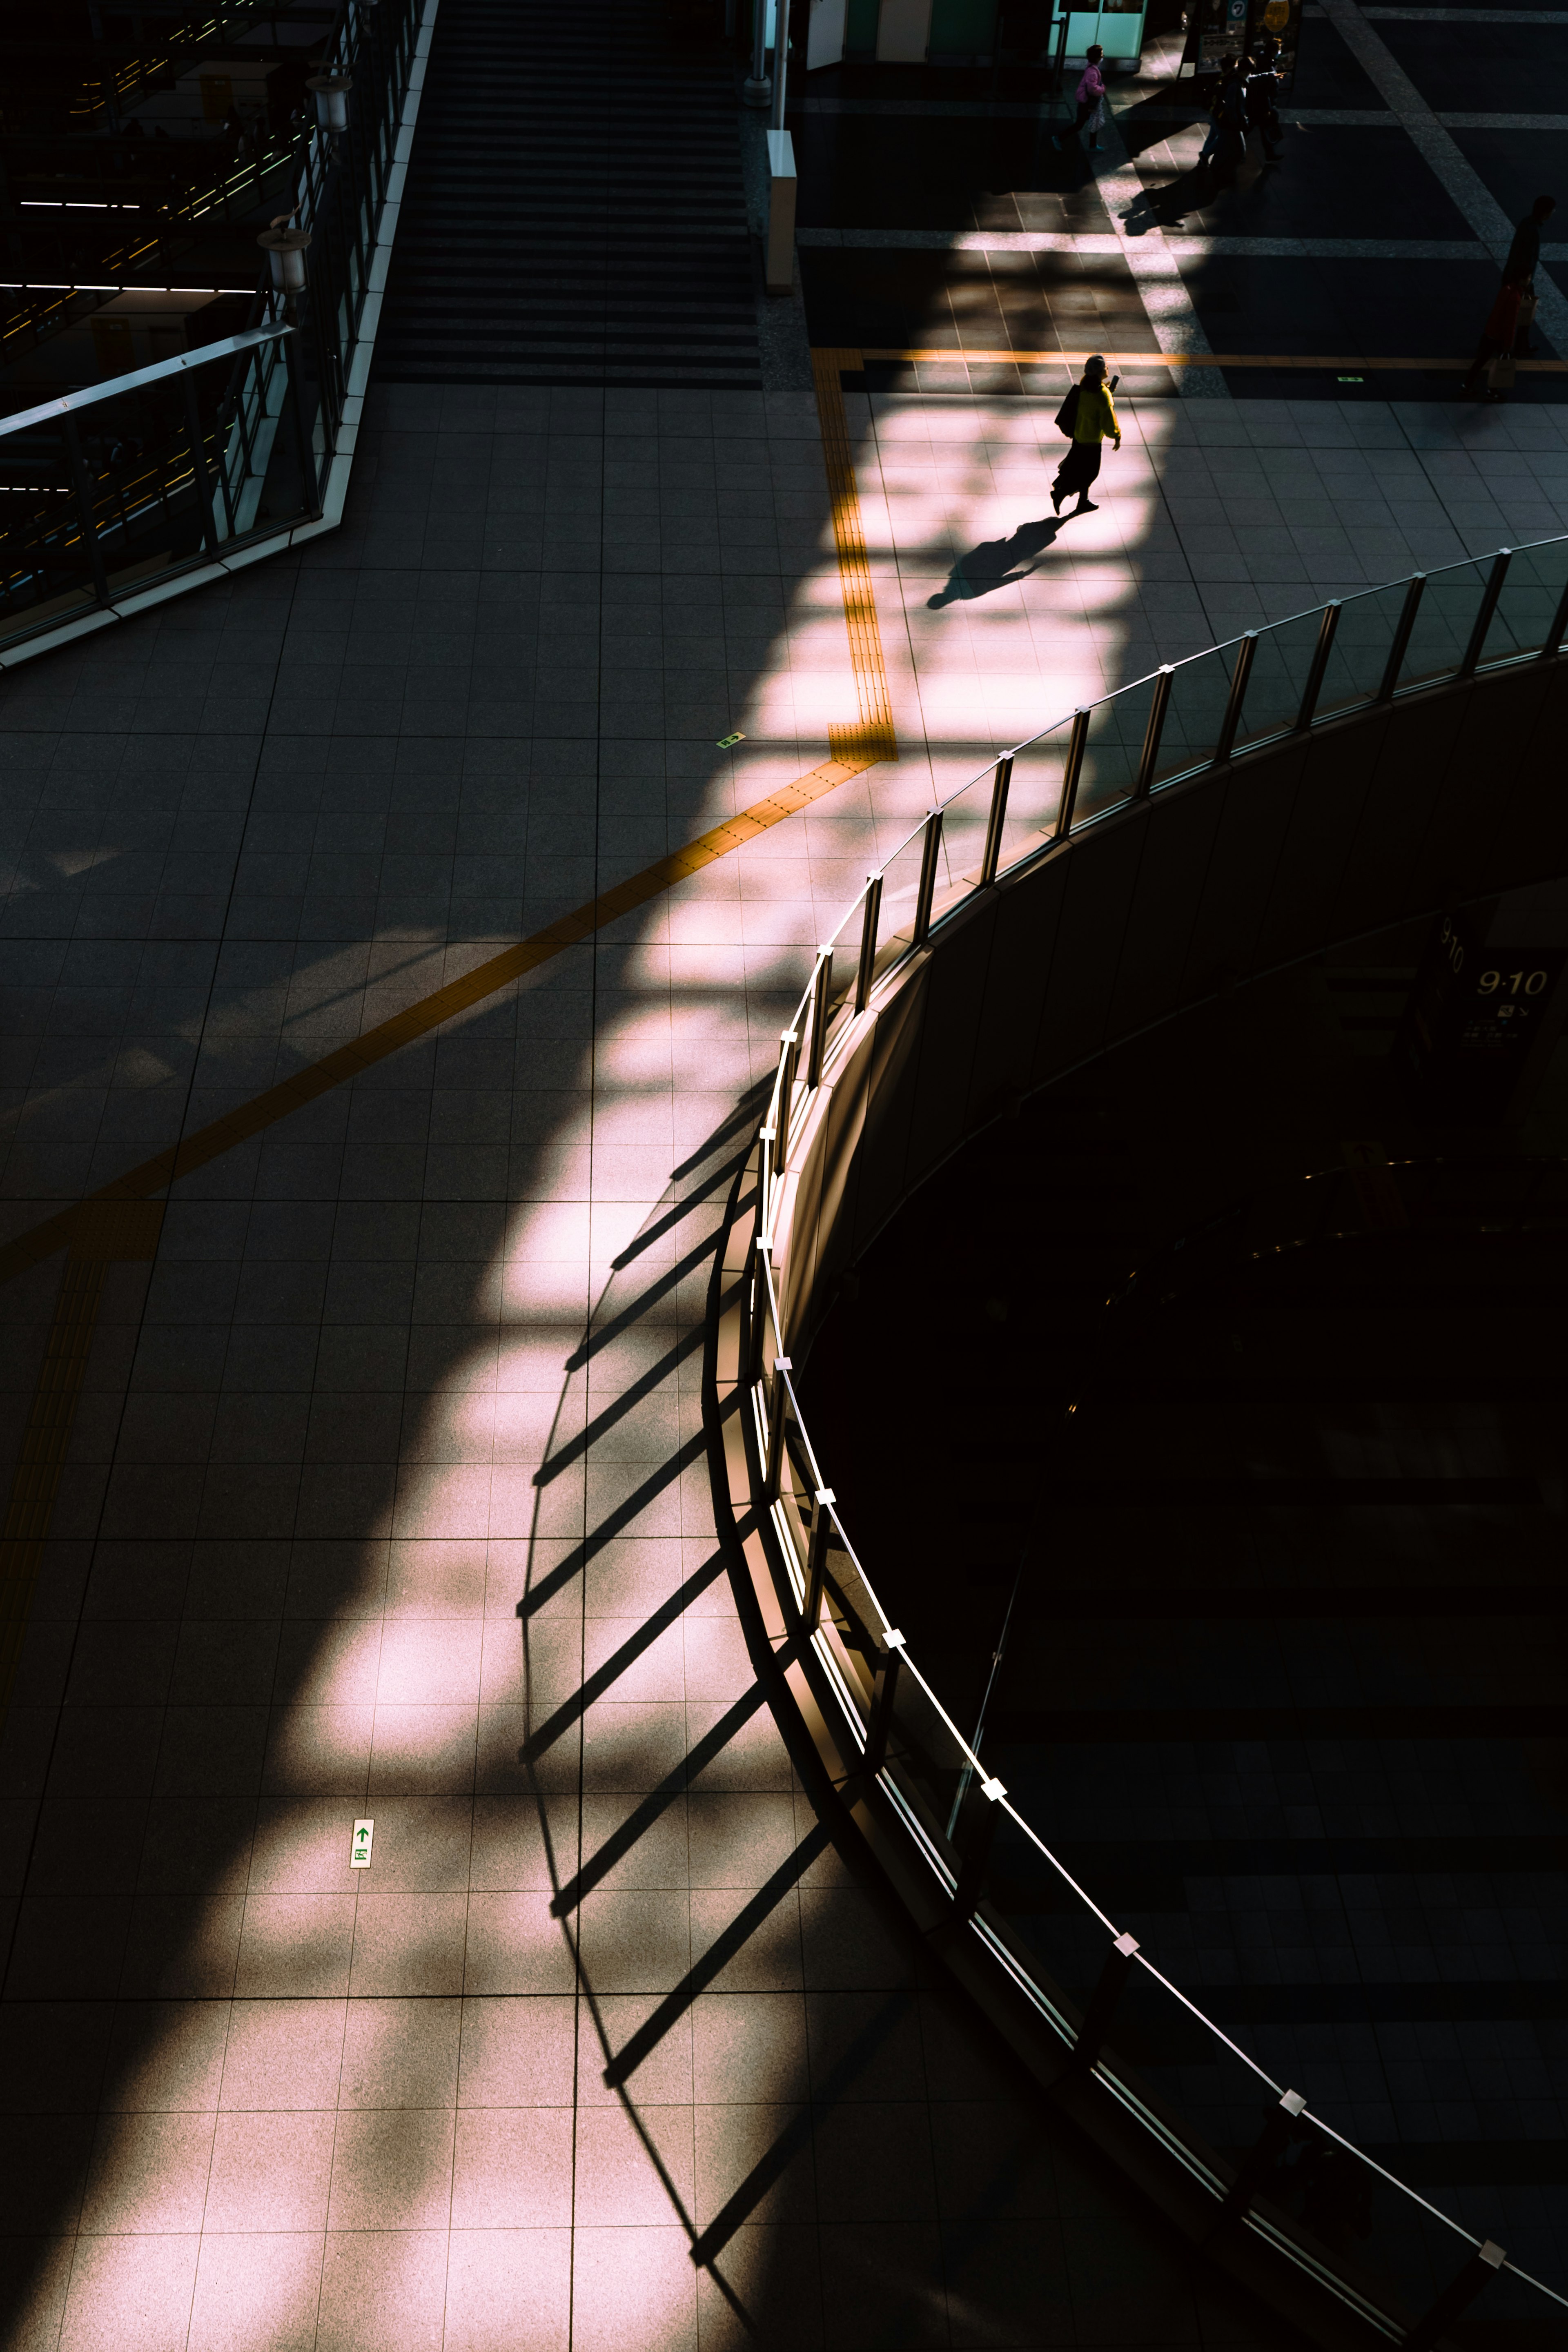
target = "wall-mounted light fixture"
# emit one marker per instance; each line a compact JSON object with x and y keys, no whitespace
{"x":285,"y":250}
{"x":332,"y":94}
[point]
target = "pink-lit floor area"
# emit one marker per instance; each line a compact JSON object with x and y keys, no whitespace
{"x":389,"y":1496}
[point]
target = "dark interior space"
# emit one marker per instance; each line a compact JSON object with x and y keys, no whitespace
{"x":1227,"y":1499}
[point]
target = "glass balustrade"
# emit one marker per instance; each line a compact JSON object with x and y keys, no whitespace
{"x":1266,"y":2118}
{"x":122,"y":486}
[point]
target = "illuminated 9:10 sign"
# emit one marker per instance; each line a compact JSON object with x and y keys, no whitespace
{"x":1514,"y":984}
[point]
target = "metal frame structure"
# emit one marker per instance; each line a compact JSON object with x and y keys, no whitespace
{"x":887,"y":1720}
{"x":288,"y":407}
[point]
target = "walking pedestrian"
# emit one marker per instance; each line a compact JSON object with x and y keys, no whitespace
{"x":1506,"y":335}
{"x":1089,"y":415}
{"x":1523,"y":255}
{"x":1090,"y":103}
{"x":1261,"y":88}
{"x":1226,"y":142}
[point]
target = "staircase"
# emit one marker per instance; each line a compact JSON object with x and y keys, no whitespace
{"x":575,"y":212}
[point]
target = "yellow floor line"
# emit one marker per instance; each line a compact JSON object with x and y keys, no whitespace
{"x":389,"y":1036}
{"x":97,"y":1234}
{"x":855,"y":359}
{"x":873,"y":738}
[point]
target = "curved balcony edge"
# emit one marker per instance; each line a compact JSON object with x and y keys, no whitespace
{"x":1443,"y":797}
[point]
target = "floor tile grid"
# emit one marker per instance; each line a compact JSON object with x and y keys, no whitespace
{"x":401,"y":1704}
{"x":274,"y":1920}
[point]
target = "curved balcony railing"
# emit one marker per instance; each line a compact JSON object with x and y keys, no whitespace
{"x":1301,"y":2184}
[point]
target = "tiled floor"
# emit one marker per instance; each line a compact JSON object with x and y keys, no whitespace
{"x":388,"y":1495}
{"x":935,"y":210}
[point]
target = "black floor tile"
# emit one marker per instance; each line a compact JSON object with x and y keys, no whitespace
{"x":1520,"y":165}
{"x":1412,"y":309}
{"x":1330,"y":181}
{"x":938,"y":171}
{"x":1328,"y":74}
{"x":893,"y":299}
{"x":1470,"y":69}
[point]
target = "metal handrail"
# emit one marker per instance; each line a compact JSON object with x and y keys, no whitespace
{"x":800,"y":1073}
{"x":294,"y":375}
{"x":70,"y":403}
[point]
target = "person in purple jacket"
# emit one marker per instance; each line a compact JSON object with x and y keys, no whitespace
{"x":1091,"y":101}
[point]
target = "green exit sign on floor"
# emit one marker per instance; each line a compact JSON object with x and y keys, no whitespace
{"x":359,"y":1857}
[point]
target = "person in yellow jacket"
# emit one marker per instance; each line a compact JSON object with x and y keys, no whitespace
{"x":1089,"y":414}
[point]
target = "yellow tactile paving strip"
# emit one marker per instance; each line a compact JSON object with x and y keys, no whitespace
{"x":264,"y":1111}
{"x":1351,"y":366}
{"x":874,"y":738}
{"x":121,"y":1219}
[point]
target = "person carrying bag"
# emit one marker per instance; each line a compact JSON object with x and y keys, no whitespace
{"x":1505,"y":338}
{"x":1087,"y":416}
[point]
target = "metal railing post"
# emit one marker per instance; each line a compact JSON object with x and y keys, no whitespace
{"x":984,"y":1820}
{"x":868,"y":941}
{"x":1485,"y":610}
{"x":820,"y":987}
{"x":789,"y":1055}
{"x":931,"y":850}
{"x":1102,"y":2002}
{"x":778,"y":1401}
{"x":884,"y":1690}
{"x":309,"y":484}
{"x":816,"y":1559}
{"x":1159,"y":705}
{"x":759,"y":1310}
{"x":1077,"y":743}
{"x":83,"y":486}
{"x":1260,"y":2159}
{"x":1401,"y":630}
{"x":1457,"y":2295}
{"x":1558,"y":631}
{"x":1316,"y":674}
{"x":200,"y":483}
{"x":994,"y":822}
{"x":1246,"y":648}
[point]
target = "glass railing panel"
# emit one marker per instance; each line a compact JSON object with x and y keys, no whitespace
{"x":1062,"y":1940}
{"x":1532,"y":591}
{"x":1363,"y":640}
{"x":1280,"y":678}
{"x":145,"y":509}
{"x":1200,"y":690}
{"x":1357,"y":2218}
{"x":1034,"y":798}
{"x":927,"y":1759}
{"x":964,"y":823}
{"x":46,"y":570}
{"x":175,"y":464}
{"x":1280,"y":667}
{"x":1442,"y":624}
{"x":1115,"y":747}
{"x":900,"y":887}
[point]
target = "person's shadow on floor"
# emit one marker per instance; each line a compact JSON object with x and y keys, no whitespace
{"x":997,"y":562}
{"x":1167,"y":207}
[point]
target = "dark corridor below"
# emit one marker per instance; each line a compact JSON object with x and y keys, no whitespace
{"x":1282,"y":1679}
